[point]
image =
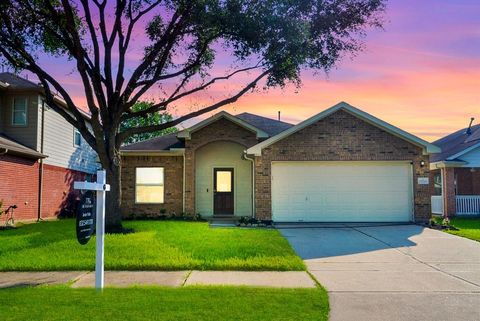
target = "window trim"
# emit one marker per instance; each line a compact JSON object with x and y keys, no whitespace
{"x":135,"y":182}
{"x":75,"y":131}
{"x":13,"y":112}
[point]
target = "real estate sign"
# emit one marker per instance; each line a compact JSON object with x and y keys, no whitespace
{"x":86,"y":217}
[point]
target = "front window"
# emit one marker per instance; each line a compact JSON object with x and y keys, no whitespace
{"x":149,"y":185}
{"x":19,"y":111}
{"x":437,"y":184}
{"x":77,"y":138}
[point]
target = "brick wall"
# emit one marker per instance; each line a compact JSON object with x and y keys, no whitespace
{"x":468,"y":182}
{"x":173,"y":169}
{"x":20,"y":186}
{"x":340,"y":137}
{"x":220,"y":130}
{"x":58,"y":193}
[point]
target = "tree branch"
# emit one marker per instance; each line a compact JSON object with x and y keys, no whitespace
{"x":121,"y":137}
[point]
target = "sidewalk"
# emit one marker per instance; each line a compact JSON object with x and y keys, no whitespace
{"x":79,"y":279}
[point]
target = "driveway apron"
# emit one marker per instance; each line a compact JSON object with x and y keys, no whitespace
{"x":396,"y":272}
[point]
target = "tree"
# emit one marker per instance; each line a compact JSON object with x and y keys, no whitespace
{"x":148,"y":120}
{"x":269,"y":42}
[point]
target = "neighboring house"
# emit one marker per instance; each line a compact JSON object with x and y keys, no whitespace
{"x":456,"y":173}
{"x":41,"y":154}
{"x":339,"y":165}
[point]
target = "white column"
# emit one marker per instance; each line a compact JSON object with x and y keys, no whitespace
{"x":100,"y":232}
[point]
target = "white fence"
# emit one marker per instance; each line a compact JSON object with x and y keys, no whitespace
{"x":437,"y":204}
{"x":467,"y":204}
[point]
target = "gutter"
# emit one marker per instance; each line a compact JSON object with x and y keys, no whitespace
{"x":183,"y":187}
{"x":40,"y":170}
{"x":253,"y":181}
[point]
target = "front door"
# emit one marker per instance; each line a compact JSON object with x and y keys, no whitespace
{"x":223,"y":201}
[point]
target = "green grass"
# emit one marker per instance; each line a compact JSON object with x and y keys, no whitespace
{"x":189,"y":303}
{"x":155,"y":245}
{"x":468,"y":227}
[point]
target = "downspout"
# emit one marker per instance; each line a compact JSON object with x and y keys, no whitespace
{"x":253,"y":181}
{"x":40,"y":173}
{"x":183,"y":187}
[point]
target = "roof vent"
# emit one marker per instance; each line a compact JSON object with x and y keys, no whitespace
{"x":469,"y":129}
{"x":279,"y":115}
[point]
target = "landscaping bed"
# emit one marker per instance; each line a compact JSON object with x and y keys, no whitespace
{"x":155,"y":245}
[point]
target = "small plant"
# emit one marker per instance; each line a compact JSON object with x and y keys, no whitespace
{"x":243,"y":221}
{"x":163,"y":211}
{"x":432,"y":222}
{"x":446,"y":221}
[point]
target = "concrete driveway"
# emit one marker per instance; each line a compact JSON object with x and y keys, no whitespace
{"x":399,"y":272}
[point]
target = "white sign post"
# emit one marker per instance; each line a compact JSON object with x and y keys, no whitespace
{"x":101,"y":187}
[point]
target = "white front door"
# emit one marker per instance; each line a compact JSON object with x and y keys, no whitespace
{"x":342,"y":191}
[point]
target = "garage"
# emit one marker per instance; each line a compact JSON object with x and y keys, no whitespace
{"x":342,"y":191}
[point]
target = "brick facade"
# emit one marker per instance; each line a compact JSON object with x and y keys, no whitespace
{"x":20,"y":186}
{"x":468,"y":181}
{"x":220,"y":130}
{"x":341,"y":137}
{"x":173,"y":188}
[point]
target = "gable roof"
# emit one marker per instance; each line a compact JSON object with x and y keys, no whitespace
{"x":186,"y":133}
{"x":457,"y":144}
{"x":427,"y":147}
{"x":268,"y":125}
{"x":156,"y":144}
{"x":13,"y":147}
{"x":261,"y":125}
{"x":14,"y":82}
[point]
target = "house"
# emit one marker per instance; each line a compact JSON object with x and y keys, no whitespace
{"x":41,"y":154}
{"x":456,"y":173}
{"x":339,"y":165}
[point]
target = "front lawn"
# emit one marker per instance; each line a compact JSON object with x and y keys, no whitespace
{"x":186,"y":304}
{"x":468,"y":227}
{"x":155,"y":245}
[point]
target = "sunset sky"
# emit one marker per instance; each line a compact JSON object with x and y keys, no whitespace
{"x":421,"y":73}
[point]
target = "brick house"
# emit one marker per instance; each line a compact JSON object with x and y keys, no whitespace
{"x":339,"y":165}
{"x":456,"y":173}
{"x":41,"y":154}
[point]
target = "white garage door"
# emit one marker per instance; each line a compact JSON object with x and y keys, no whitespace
{"x":342,"y":191}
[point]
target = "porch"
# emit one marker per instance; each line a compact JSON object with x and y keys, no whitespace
{"x":456,"y":191}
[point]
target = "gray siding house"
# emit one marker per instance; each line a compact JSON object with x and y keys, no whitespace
{"x":41,"y":154}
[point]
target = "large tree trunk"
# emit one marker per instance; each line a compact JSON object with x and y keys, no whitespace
{"x":113,"y":215}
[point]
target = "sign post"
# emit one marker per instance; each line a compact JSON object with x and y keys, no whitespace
{"x":101,"y":187}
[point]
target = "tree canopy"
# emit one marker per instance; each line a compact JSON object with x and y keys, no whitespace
{"x":268,"y":42}
{"x":148,"y":120}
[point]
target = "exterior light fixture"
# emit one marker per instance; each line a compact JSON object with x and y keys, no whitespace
{"x":422,"y":163}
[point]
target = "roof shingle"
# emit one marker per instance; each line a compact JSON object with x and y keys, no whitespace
{"x":455,"y":143}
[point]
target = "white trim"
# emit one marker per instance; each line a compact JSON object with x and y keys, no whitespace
{"x":427,"y":147}
{"x":443,"y":164}
{"x":186,"y":133}
{"x":171,"y":152}
{"x":463,"y":152}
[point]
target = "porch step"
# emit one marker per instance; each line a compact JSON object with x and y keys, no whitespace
{"x":223,"y":221}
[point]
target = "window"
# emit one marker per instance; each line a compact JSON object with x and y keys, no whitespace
{"x":224,"y":181}
{"x":77,"y":138}
{"x":19,"y":111}
{"x":149,"y":185}
{"x":437,"y":184}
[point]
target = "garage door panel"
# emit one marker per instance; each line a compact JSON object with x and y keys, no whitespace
{"x":341,"y":191}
